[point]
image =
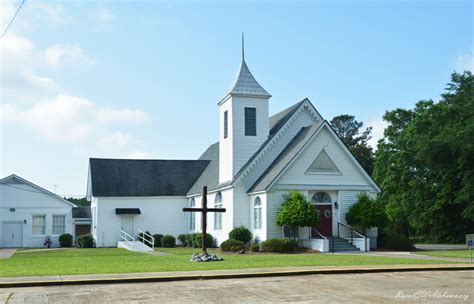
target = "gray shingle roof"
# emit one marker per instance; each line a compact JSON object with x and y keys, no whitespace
{"x":131,"y":177}
{"x":210,"y":176}
{"x":285,"y":157}
{"x":245,"y":84}
{"x":81,"y":212}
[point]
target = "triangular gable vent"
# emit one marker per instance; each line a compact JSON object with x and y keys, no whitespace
{"x":323,"y":164}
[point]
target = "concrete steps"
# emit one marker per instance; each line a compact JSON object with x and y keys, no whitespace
{"x":341,"y":245}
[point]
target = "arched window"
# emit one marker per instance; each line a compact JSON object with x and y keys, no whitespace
{"x":218,"y":215}
{"x":192,"y":216}
{"x":321,"y":198}
{"x":257,"y":213}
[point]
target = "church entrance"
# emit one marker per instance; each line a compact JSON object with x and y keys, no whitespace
{"x":324,"y":226}
{"x":127,"y":223}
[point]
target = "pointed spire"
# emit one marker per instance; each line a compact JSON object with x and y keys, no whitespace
{"x":244,"y":83}
{"x":243,"y":47}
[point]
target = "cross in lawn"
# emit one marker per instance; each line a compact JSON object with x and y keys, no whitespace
{"x":204,"y":210}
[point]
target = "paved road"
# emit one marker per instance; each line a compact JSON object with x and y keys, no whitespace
{"x":427,"y":287}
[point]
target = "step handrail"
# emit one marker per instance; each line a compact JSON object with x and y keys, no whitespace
{"x":319,"y":233}
{"x":352,"y":230}
{"x":146,"y":237}
{"x":127,"y":238}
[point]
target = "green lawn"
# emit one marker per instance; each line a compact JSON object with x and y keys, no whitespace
{"x":464,"y":253}
{"x":114,"y":260}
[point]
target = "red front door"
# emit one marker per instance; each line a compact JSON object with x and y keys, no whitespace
{"x":325,"y":221}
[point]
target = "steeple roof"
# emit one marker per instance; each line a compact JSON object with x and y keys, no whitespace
{"x":245,"y":84}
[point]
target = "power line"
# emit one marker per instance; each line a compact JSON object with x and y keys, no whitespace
{"x":14,"y":16}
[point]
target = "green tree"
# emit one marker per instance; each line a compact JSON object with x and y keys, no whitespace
{"x":356,"y":140}
{"x":424,"y":164}
{"x":296,"y":211}
{"x":78,"y":201}
{"x":367,"y":213}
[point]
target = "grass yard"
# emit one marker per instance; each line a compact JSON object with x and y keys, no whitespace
{"x":115,"y":260}
{"x":464,"y":253}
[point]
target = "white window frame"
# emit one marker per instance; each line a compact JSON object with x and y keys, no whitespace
{"x":192,"y":216}
{"x":53,"y":226}
{"x":218,"y":203}
{"x":257,"y":213}
{"x":33,"y":222}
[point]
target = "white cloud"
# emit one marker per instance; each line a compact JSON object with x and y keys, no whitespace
{"x":69,"y":118}
{"x":138,"y":154}
{"x":465,"y":63}
{"x":54,"y":13}
{"x":103,"y":17}
{"x":378,"y":126}
{"x":66,"y":54}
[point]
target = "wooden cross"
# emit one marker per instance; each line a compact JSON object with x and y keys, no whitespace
{"x":204,"y":210}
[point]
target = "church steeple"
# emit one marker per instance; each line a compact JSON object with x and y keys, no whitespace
{"x":243,"y":119}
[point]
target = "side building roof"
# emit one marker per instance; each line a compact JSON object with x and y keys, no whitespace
{"x":132,"y":177}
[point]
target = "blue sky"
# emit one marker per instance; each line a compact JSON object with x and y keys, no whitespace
{"x":141,"y":79}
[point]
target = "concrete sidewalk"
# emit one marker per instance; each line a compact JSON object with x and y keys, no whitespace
{"x":8,"y":282}
{"x":440,"y":246}
{"x":410,"y":255}
{"x":6,"y":253}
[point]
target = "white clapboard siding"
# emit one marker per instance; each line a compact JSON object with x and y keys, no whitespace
{"x":274,"y":202}
{"x":350,"y":174}
{"x":162,"y":215}
{"x":302,"y":118}
{"x":19,"y":202}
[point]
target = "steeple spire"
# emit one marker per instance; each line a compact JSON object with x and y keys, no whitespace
{"x":244,"y":83}
{"x":243,"y":46}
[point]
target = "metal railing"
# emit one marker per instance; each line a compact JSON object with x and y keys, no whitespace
{"x":128,"y":238}
{"x":146,"y":238}
{"x":315,"y":230}
{"x":352,"y":232}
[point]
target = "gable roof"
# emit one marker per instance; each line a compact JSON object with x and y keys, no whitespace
{"x":210,"y":176}
{"x":283,"y":161}
{"x":284,"y":158}
{"x":13,"y":178}
{"x":133,"y":177}
{"x":245,"y":84}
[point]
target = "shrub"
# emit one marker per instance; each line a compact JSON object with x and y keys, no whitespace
{"x":240,"y":234}
{"x":255,"y":247}
{"x":85,"y":241}
{"x":188,"y":238}
{"x":232,"y":245}
{"x":145,"y":236}
{"x":65,"y":240}
{"x":279,"y":245}
{"x":157,"y":238}
{"x":182,"y":239}
{"x":296,"y":212}
{"x":396,"y":242}
{"x":367,"y":213}
{"x":168,"y":241}
{"x":197,"y":240}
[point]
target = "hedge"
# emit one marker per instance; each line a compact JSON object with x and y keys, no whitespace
{"x":65,"y":240}
{"x":157,"y":238}
{"x":168,"y":241}
{"x":85,"y":241}
{"x":232,"y":245}
{"x":279,"y":245}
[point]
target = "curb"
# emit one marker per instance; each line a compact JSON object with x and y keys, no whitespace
{"x":225,"y":276}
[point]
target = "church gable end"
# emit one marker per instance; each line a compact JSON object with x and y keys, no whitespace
{"x":322,"y":164}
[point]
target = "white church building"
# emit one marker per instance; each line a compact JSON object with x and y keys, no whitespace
{"x":257,"y":159}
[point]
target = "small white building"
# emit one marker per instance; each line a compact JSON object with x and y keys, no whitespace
{"x":29,"y":213}
{"x":257,"y":159}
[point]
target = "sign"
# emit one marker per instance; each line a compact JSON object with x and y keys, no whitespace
{"x":470,"y":240}
{"x":470,"y":243}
